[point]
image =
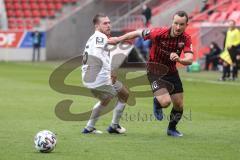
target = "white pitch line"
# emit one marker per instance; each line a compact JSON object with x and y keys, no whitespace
{"x":212,"y":81}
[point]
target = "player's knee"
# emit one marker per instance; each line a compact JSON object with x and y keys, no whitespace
{"x":123,"y":96}
{"x":105,"y":102}
{"x":165,"y":102}
{"x":126,"y":95}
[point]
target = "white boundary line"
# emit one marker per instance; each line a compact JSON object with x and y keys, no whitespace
{"x":211,"y":81}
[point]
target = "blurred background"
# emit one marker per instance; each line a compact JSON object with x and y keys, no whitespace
{"x":65,"y":26}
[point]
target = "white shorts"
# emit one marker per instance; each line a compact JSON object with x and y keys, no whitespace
{"x":107,"y":91}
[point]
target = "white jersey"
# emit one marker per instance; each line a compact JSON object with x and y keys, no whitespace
{"x":96,"y":68}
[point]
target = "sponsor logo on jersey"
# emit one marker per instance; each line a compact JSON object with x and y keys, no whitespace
{"x":99,"y":41}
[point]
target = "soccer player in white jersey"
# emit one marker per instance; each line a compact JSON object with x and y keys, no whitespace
{"x":98,"y":76}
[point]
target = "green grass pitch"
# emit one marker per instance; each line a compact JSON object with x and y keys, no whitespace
{"x":211,"y":125}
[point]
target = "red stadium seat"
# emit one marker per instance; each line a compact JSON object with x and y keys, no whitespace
{"x":223,"y":16}
{"x":203,"y":17}
{"x":9,"y":5}
{"x":34,"y":6}
{"x":8,"y":1}
{"x":214,"y":16}
{"x":29,"y":26}
{"x":36,"y":21}
{"x":50,"y":6}
{"x":57,"y":1}
{"x":20,"y":27}
{"x":49,"y":1}
{"x":65,"y":1}
{"x":17,"y":6}
{"x":33,"y":1}
{"x":222,"y":8}
{"x":43,"y":13}
{"x":11,"y":21}
{"x":27,"y":13}
{"x":28,"y":21}
{"x":232,"y":7}
{"x":51,"y":13}
{"x":36,"y":13}
{"x":58,"y":6}
{"x":26,"y":6}
{"x":11,"y":13}
{"x":73,"y":1}
{"x":12,"y":26}
{"x":19,"y":13}
{"x":238,"y":6}
{"x":19,"y":21}
{"x":42,"y":6}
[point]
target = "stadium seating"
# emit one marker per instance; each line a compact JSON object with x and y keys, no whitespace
{"x":214,"y":16}
{"x":221,"y":13}
{"x":26,"y":14}
{"x":222,"y":17}
{"x":235,"y":15}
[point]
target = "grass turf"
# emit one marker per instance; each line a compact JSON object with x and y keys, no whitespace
{"x":210,"y":124}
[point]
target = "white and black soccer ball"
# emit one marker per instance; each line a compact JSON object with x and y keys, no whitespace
{"x":45,"y":141}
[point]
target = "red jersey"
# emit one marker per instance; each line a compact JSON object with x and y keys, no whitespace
{"x":163,"y":45}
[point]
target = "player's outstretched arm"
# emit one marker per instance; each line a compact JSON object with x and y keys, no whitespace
{"x":127,"y":36}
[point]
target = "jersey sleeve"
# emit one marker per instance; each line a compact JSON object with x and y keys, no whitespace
{"x":149,"y":34}
{"x":188,"y":45}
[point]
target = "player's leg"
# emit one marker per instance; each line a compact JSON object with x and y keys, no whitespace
{"x":177,"y":110}
{"x":104,"y":94}
{"x":233,"y":53}
{"x":175,"y":115}
{"x":38,"y":53}
{"x":225,"y":71}
{"x":33,"y":54}
{"x":98,"y":107}
{"x":122,"y":94}
{"x":162,"y":98}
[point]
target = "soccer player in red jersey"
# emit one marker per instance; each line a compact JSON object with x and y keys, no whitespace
{"x":167,"y":45}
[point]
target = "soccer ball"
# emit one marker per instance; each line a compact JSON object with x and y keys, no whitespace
{"x":45,"y":141}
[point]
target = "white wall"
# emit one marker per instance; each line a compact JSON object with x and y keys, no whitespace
{"x":12,"y":54}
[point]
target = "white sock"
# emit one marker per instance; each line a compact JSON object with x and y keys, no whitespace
{"x":117,"y":113}
{"x":94,"y":116}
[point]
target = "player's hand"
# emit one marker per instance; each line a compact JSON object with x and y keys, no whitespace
{"x":113,"y":40}
{"x":174,"y":57}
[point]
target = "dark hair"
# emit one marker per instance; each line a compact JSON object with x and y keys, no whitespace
{"x":215,"y":45}
{"x":97,"y":16}
{"x":182,"y":14}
